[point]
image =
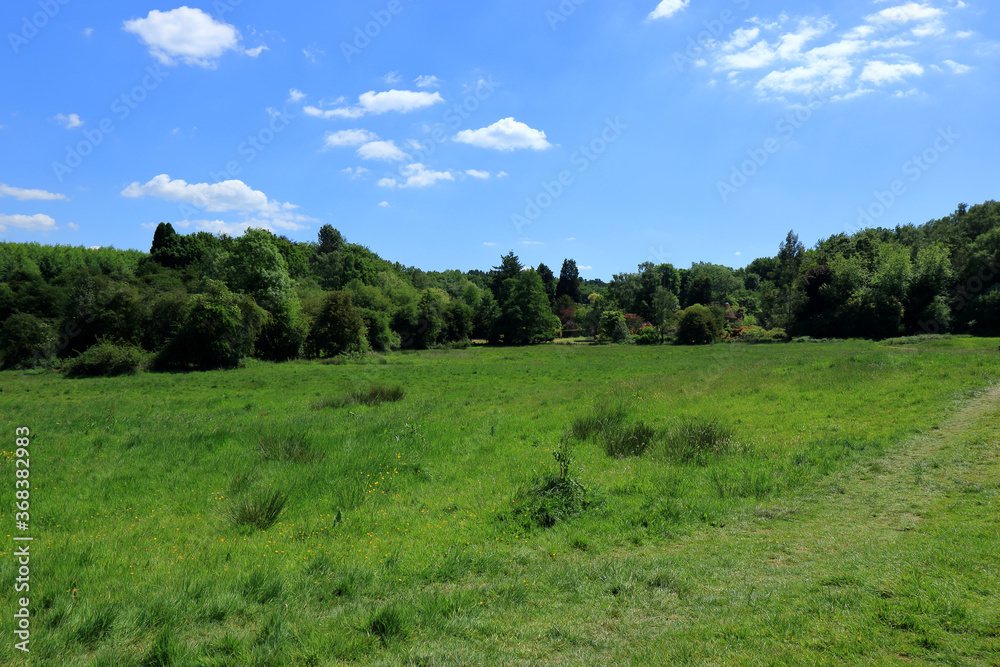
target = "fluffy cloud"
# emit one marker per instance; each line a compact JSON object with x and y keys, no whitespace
{"x":381,"y":150}
{"x":225,"y":196}
{"x":401,"y":101}
{"x":667,"y":8}
{"x":24,"y":194}
{"x":476,"y":173}
{"x":294,"y":95}
{"x":880,"y":73}
{"x":785,"y":59}
{"x":185,"y":34}
{"x":505,"y":135}
{"x":354,"y":173}
{"x":29,"y":223}
{"x":416,"y":175}
{"x":957,"y":68}
{"x":427,"y":81}
{"x":70,"y":121}
{"x":348,"y":138}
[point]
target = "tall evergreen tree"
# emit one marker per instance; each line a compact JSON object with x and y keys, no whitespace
{"x":569,"y":281}
{"x":548,"y":282}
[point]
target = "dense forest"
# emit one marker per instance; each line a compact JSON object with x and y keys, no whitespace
{"x":206,"y":301}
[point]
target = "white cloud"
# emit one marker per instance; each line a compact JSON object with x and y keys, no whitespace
{"x":416,"y":175}
{"x":666,"y":9}
{"x":383,"y":204}
{"x":294,"y":95}
{"x":505,"y":135}
{"x":964,"y":34}
{"x":72,"y":225}
{"x":880,"y":73}
{"x":585,"y":268}
{"x":530,"y":242}
{"x":957,"y":68}
{"x":502,"y":174}
{"x":572,"y":238}
{"x":232,"y":195}
{"x":475,"y":173}
{"x":312,"y":53}
{"x":402,"y":101}
{"x":427,"y":81}
{"x":489,"y":243}
{"x":912,"y":11}
{"x":87,"y":32}
{"x":69,"y":122}
{"x":38,"y":222}
{"x":256,"y":51}
{"x":392,"y":78}
{"x":381,"y":150}
{"x":354,"y":173}
{"x":186,"y":34}
{"x":348,"y":138}
{"x":23,"y":194}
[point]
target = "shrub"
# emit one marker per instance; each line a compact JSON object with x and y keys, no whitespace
{"x":696,"y":440}
{"x":755,"y":334}
{"x":26,"y":341}
{"x":634,"y":323}
{"x":697,"y":325}
{"x":613,"y":328}
{"x":648,"y":335}
{"x":107,"y":359}
{"x":283,"y":334}
{"x":553,"y":497}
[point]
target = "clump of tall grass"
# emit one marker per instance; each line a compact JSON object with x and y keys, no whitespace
{"x":287,"y":445}
{"x":388,"y":624}
{"x":374,"y":395}
{"x":259,"y":509}
{"x":697,"y":439}
{"x":613,"y":426}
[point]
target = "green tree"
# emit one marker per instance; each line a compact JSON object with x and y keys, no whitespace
{"x":338,"y":327}
{"x":548,"y":282}
{"x":525,"y":316}
{"x":219,"y":331}
{"x":510,"y":267}
{"x":569,"y":281}
{"x":26,"y":341}
{"x":697,"y":325}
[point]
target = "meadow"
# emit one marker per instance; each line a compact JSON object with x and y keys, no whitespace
{"x":799,"y":503}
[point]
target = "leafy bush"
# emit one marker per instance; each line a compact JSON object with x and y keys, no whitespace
{"x":107,"y":359}
{"x":648,"y":335}
{"x":552,"y":498}
{"x":613,"y":328}
{"x":374,"y":395}
{"x":283,"y":334}
{"x":696,"y":440}
{"x":26,"y":341}
{"x":697,"y":325}
{"x":755,"y":334}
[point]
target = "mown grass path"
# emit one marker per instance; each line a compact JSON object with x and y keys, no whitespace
{"x":893,"y":561}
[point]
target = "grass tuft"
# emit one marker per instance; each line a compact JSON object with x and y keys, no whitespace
{"x":697,"y":440}
{"x":258,"y":509}
{"x":613,"y":426}
{"x":374,"y":395}
{"x":287,"y":445}
{"x":388,"y":624}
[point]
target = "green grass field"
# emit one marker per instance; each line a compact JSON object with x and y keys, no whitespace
{"x":395,"y":511}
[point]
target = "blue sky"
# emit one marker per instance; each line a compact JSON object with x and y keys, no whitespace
{"x":444,"y":134}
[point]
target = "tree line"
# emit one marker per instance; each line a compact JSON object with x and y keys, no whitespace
{"x":209,"y":301}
